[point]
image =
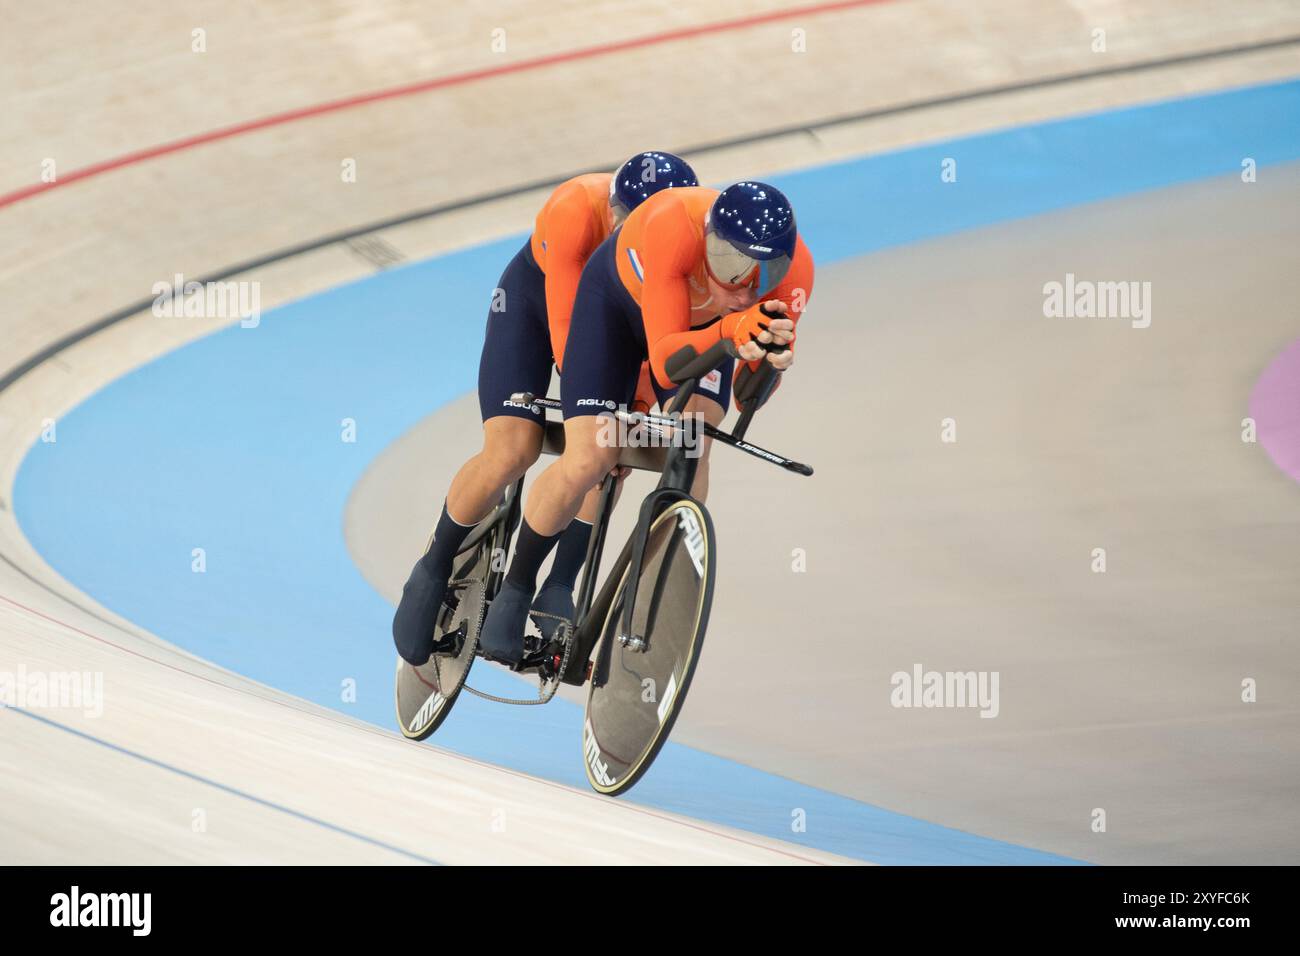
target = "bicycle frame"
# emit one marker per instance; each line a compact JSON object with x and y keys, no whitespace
{"x":677,"y":468}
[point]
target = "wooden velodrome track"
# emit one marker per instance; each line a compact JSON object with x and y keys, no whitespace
{"x":253,"y":132}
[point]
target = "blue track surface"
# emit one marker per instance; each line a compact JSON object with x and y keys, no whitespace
{"x":232,"y":444}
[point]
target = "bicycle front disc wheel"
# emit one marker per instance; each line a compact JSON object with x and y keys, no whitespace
{"x":636,"y":690}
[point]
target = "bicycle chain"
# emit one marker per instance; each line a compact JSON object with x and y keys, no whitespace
{"x":543,"y":697}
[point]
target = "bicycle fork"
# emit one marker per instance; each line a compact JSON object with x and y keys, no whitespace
{"x":653,"y":506}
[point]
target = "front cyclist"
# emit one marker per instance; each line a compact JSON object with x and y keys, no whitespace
{"x":524,"y":338}
{"x":689,"y":267}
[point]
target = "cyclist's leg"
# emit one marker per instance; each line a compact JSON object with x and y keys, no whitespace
{"x":516,"y":357}
{"x":510,"y":447}
{"x":555,"y":597}
{"x":602,"y":361}
{"x":600,"y":377}
{"x":552,"y":503}
{"x":566,"y":566}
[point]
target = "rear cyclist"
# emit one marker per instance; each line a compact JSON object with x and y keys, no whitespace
{"x":523,"y":340}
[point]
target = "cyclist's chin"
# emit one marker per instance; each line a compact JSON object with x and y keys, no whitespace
{"x":736,"y":300}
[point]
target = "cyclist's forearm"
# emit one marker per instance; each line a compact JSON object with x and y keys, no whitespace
{"x":664,"y":347}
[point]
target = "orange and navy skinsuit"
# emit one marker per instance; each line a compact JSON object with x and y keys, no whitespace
{"x":645,"y":294}
{"x":528,"y":324}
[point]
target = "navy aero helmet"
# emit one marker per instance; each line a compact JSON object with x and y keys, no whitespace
{"x":644,"y":175}
{"x":750,"y":237}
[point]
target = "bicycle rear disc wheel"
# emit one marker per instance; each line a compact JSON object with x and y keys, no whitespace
{"x":424,"y":695}
{"x":636,"y":695}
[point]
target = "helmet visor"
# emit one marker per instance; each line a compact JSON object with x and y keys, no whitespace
{"x":731,"y":267}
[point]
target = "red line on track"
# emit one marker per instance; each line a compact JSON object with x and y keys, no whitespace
{"x":424,"y":86}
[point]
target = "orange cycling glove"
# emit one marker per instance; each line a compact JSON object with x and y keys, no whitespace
{"x":744,"y":327}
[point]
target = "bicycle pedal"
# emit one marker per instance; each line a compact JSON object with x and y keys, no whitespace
{"x":451,"y":642}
